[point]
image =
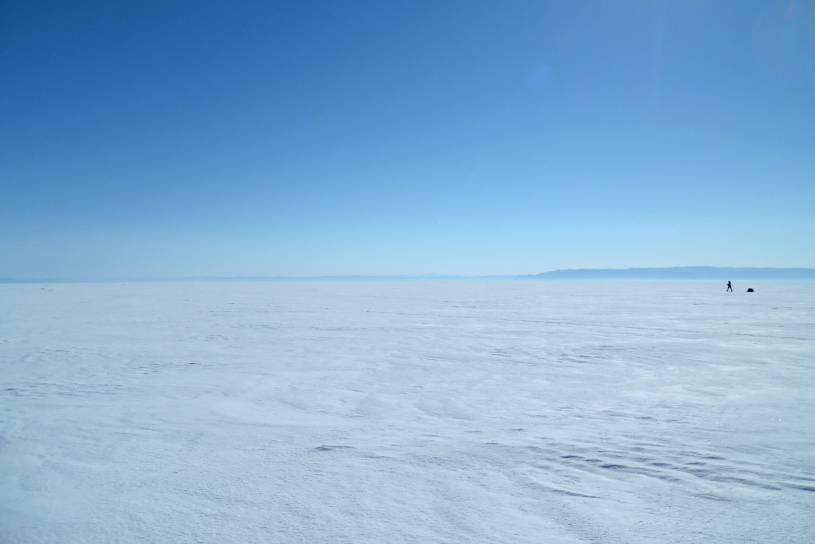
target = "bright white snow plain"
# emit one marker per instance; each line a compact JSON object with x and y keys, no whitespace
{"x":458,"y":412}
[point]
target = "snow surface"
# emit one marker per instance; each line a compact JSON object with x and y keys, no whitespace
{"x":459,"y":412}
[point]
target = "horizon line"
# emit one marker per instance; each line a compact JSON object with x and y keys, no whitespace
{"x":675,"y":273}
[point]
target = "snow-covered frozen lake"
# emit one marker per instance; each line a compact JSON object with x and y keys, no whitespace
{"x":425,"y":412}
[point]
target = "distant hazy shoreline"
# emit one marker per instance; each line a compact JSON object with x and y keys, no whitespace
{"x":680,"y":273}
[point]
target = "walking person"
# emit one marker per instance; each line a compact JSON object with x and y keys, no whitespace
{"x":729,"y":287}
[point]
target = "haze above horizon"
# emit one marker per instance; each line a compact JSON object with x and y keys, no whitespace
{"x":177,"y":139}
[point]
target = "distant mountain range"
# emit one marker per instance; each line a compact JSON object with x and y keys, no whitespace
{"x":682,"y":273}
{"x":676,"y":273}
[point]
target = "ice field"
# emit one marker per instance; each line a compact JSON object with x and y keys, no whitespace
{"x":423,"y":412}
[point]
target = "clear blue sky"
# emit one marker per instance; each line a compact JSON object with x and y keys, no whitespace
{"x":143,"y":139}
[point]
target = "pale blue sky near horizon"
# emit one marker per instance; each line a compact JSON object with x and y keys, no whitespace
{"x":161,"y":139}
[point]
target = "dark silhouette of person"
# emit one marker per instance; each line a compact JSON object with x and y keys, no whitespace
{"x":729,"y":287}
